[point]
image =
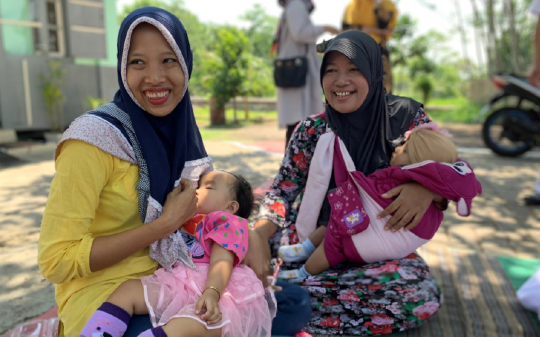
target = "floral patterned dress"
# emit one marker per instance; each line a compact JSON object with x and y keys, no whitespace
{"x":377,"y":298}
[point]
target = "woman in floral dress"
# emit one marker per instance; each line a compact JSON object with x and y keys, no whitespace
{"x":377,"y":298}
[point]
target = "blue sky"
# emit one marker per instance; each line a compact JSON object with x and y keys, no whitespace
{"x":329,"y":12}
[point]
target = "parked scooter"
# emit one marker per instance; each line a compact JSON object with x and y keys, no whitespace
{"x":514,"y":127}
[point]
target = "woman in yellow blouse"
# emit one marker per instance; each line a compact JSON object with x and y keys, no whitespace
{"x":377,"y":18}
{"x":119,"y":167}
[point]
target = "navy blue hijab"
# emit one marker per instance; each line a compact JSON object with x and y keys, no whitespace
{"x":168,"y":142}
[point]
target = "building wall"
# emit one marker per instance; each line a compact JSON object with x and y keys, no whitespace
{"x":17,"y":40}
{"x":21,"y":69}
{"x":107,"y":77}
{"x":111,"y":31}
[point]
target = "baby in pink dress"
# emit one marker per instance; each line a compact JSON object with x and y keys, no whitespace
{"x":355,"y":233}
{"x":221,"y":297}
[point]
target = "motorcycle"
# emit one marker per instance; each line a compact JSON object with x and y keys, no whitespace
{"x":514,"y":127}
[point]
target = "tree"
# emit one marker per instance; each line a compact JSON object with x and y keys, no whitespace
{"x":461,"y":29}
{"x":514,"y":37}
{"x":480,"y":33}
{"x":53,"y":95}
{"x":261,"y":31}
{"x":229,"y":66}
{"x":424,"y":84}
{"x":260,"y":78}
{"x":412,"y":52}
{"x":510,"y":28}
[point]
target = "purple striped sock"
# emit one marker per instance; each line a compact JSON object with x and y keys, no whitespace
{"x":109,"y":319}
{"x":155,"y":332}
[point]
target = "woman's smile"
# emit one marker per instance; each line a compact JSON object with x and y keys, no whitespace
{"x":157,"y":96}
{"x":343,"y":95}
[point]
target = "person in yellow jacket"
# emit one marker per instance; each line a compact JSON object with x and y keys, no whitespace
{"x":377,"y":18}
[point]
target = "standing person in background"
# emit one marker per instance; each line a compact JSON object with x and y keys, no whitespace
{"x":297,"y":36}
{"x":534,"y":77}
{"x":378,"y":19}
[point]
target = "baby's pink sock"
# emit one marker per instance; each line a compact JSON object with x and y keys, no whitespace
{"x":108,"y":319}
{"x":155,"y":332}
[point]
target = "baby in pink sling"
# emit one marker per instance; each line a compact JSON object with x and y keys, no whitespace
{"x":354,"y":232}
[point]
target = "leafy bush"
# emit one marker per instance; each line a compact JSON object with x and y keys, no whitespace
{"x":94,"y":102}
{"x":53,"y":95}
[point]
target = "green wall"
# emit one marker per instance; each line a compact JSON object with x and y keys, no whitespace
{"x":17,"y":40}
{"x":111,"y":31}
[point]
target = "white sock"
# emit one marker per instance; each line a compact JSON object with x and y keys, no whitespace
{"x":298,"y":252}
{"x":295,"y":273}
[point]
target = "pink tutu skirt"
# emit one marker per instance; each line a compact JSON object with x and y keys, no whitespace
{"x":246,"y":307}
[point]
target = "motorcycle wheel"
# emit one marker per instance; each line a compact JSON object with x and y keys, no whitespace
{"x":505,"y":142}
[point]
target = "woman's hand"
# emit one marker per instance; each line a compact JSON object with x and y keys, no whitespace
{"x":258,"y":254}
{"x":408,"y":208}
{"x":180,"y":206}
{"x":208,"y":306}
{"x":331,"y":30}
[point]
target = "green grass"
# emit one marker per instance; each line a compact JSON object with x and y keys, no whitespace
{"x":203,"y":114}
{"x":208,"y":132}
{"x":465,"y":112}
{"x":457,"y":110}
{"x":449,"y":101}
{"x":451,"y":109}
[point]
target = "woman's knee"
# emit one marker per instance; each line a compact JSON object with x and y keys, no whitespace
{"x":294,"y":309}
{"x":292,"y":297}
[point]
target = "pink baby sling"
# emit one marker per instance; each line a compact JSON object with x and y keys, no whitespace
{"x":354,"y":233}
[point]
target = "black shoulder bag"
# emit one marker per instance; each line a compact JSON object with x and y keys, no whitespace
{"x":292,"y":72}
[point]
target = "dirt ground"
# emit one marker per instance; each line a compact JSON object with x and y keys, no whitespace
{"x":25,"y":185}
{"x":499,"y":223}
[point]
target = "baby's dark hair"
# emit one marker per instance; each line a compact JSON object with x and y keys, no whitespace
{"x":243,"y":194}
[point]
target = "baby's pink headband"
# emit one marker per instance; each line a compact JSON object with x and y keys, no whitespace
{"x":430,"y":126}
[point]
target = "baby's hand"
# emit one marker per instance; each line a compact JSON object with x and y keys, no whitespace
{"x":207,"y":305}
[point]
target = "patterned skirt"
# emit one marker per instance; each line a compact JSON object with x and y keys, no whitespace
{"x":377,"y":298}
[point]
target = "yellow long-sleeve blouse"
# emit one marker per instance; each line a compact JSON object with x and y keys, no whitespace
{"x":92,"y":194}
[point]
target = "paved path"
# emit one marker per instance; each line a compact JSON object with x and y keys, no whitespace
{"x":500,"y":223}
